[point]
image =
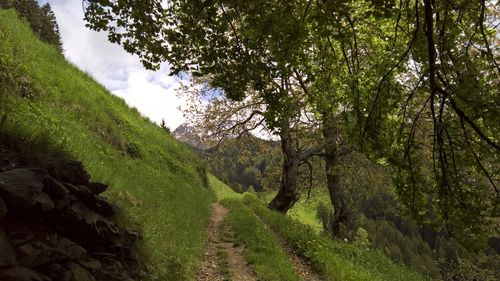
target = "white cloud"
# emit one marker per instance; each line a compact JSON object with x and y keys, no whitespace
{"x":154,"y":98}
{"x":152,"y":93}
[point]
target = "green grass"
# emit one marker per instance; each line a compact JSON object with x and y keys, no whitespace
{"x":336,"y":260}
{"x":303,"y":210}
{"x":262,"y":251}
{"x":220,"y":189}
{"x":222,"y":253}
{"x":153,"y":178}
{"x":224,"y":265}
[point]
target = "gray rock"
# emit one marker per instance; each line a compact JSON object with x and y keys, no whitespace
{"x":53,"y":269}
{"x":68,"y":170}
{"x":22,"y":188}
{"x":77,"y":272}
{"x":106,"y":208}
{"x":3,"y":208}
{"x":21,"y":236}
{"x":37,"y":253}
{"x":66,"y":202}
{"x":111,"y":272}
{"x":91,"y":265}
{"x":54,"y":188}
{"x":71,"y":249}
{"x":83,"y":224}
{"x":94,"y":202}
{"x":82,"y":193}
{"x":45,"y":202}
{"x":132,"y":234}
{"x":7,"y":256}
{"x":97,"y":187}
{"x":107,"y":275}
{"x":19,"y":273}
{"x":35,"y":247}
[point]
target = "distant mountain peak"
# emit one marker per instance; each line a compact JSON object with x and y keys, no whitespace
{"x":186,"y":133}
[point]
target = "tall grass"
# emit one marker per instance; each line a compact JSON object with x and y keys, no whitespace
{"x":153,"y":178}
{"x":336,"y":260}
{"x":220,"y":189}
{"x":262,"y":250}
{"x":304,"y":210}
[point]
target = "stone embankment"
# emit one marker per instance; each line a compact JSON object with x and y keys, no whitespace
{"x":55,"y":225}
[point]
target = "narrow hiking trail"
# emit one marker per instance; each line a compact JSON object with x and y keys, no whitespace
{"x":213,"y":267}
{"x":231,"y":265}
{"x":302,"y":267}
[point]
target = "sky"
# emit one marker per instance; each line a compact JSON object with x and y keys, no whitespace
{"x":152,"y":93}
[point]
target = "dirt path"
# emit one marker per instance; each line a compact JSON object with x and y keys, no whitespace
{"x":303,"y":268}
{"x":228,"y":265}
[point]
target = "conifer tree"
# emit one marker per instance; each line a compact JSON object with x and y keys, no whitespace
{"x":42,"y":20}
{"x":50,"y":29}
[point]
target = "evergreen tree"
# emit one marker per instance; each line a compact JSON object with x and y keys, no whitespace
{"x":50,"y":29}
{"x":164,"y":126}
{"x":42,"y":20}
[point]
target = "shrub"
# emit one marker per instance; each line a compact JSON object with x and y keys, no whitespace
{"x":133,"y":150}
{"x":201,"y":170}
{"x":325,"y":214}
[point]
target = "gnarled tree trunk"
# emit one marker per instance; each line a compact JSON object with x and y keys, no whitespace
{"x":287,"y":195}
{"x":334,"y":184}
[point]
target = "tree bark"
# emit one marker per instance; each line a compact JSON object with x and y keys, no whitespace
{"x":287,"y":194}
{"x":333,"y":178}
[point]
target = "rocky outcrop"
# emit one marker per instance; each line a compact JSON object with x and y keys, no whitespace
{"x":187,"y":134}
{"x":54,"y":225}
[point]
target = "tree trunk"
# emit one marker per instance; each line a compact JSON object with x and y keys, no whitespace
{"x":287,"y":195}
{"x":334,"y":184}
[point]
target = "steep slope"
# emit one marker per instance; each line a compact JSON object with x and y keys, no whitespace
{"x":153,"y":178}
{"x":186,"y":134}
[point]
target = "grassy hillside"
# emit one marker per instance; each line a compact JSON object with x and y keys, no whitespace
{"x":220,"y":189}
{"x":334,"y":260}
{"x":304,"y":210}
{"x":155,"y":180}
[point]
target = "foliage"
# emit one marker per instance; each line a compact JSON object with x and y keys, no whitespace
{"x":324,"y":214}
{"x":164,"y":126}
{"x":361,"y":237}
{"x":446,"y":146}
{"x":220,"y":189}
{"x":429,"y":69}
{"x":244,"y":162}
{"x":467,"y":270}
{"x":161,"y":191}
{"x":388,"y":229}
{"x":336,"y":260}
{"x":41,"y":19}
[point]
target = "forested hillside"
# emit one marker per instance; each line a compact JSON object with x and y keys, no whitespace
{"x":246,"y":164}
